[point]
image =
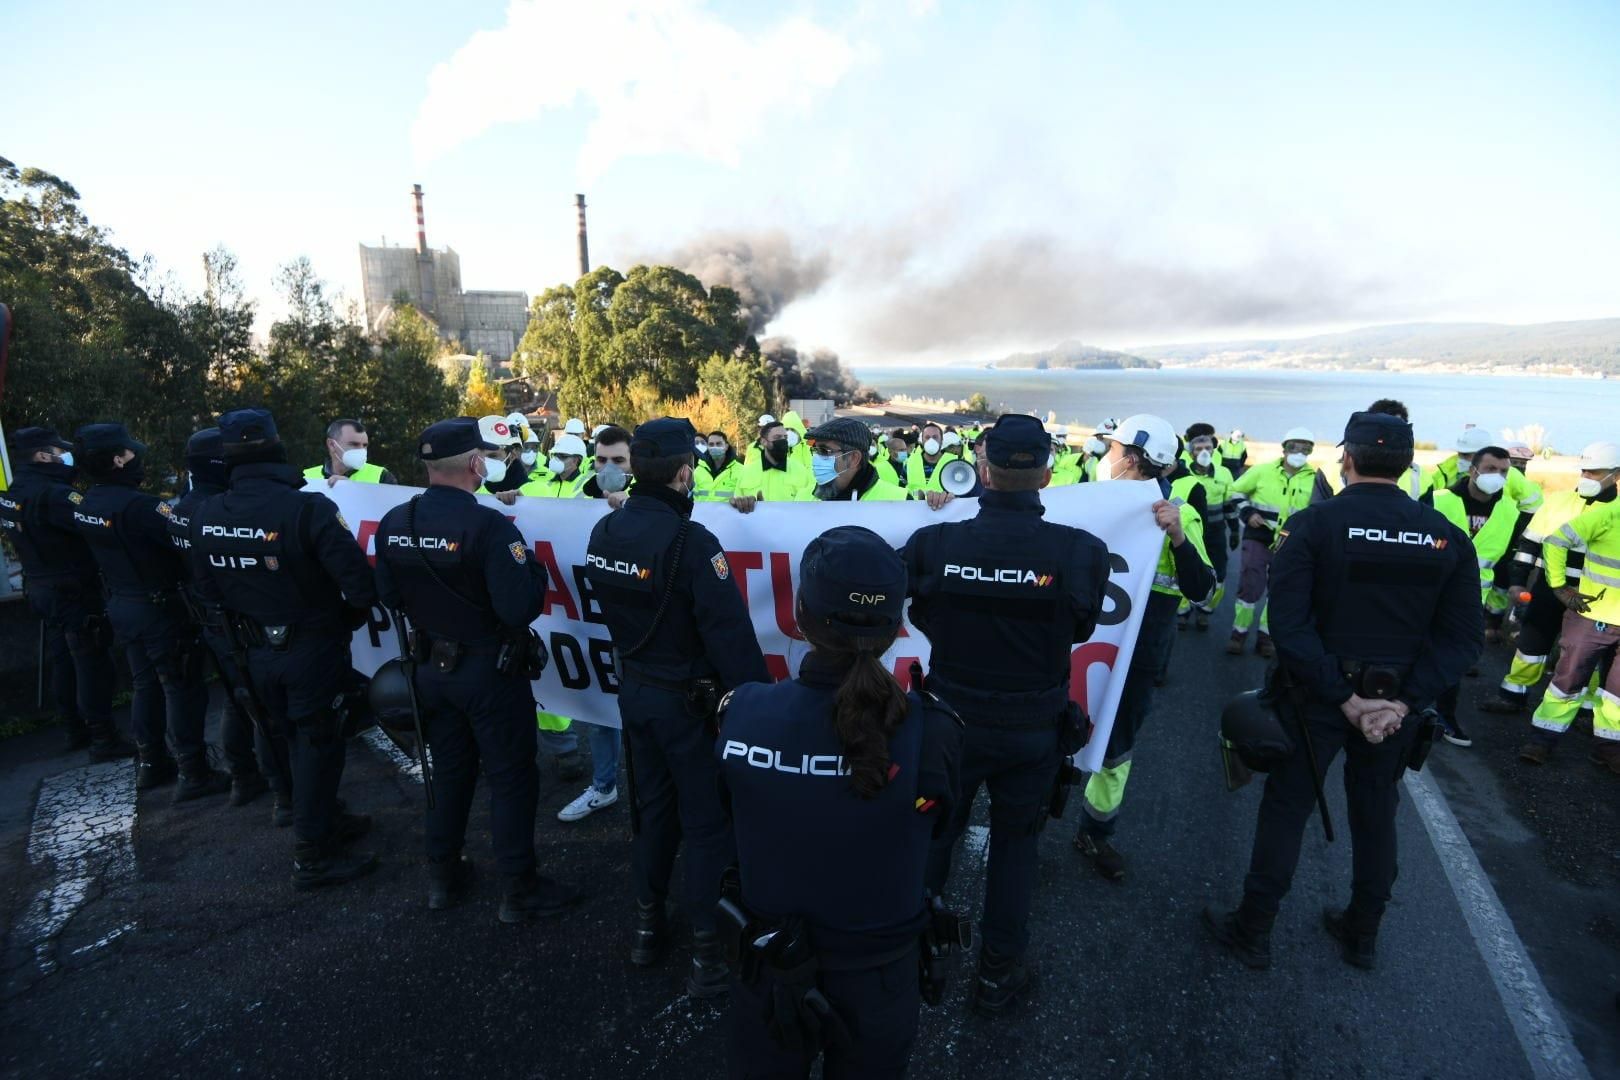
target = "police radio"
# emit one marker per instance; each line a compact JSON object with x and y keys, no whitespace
{"x":957,"y":477}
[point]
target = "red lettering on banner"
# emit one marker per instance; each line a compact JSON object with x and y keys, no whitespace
{"x":782,"y":591}
{"x":741,"y":562}
{"x":1080,"y":661}
{"x":902,"y":670}
{"x":776,"y":664}
{"x":556,"y":592}
{"x":368,"y":529}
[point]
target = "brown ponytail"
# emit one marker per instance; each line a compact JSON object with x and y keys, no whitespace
{"x":869,"y":706}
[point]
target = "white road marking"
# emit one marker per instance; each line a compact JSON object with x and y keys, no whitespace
{"x":407,"y":765}
{"x":976,"y":842}
{"x":83,"y":833}
{"x":1545,"y":1038}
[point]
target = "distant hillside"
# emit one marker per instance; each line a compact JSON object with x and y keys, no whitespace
{"x":1073,"y":355}
{"x":1589,"y":346}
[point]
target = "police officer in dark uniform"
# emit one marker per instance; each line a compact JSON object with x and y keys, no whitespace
{"x":1003,"y":598}
{"x":128,"y":533}
{"x":294,"y":586}
{"x":837,"y":782}
{"x":205,"y":468}
{"x":59,"y":575}
{"x":463,"y":576}
{"x":681,"y":635}
{"x":1375,"y":611}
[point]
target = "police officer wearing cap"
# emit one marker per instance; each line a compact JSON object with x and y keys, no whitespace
{"x":837,"y":781}
{"x":1375,"y":607}
{"x":128,"y":533}
{"x":681,"y":637}
{"x":1003,"y":598}
{"x":205,"y":469}
{"x":462,"y":575}
{"x":60,"y":578}
{"x":294,"y":585}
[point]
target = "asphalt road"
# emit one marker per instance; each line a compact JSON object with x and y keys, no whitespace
{"x":177,"y":946}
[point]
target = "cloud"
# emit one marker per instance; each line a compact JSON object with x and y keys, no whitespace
{"x":663,"y":76}
{"x":765,"y":268}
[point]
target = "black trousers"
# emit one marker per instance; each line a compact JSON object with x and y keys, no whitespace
{"x":166,"y":665}
{"x":82,"y":674}
{"x":473,"y":715}
{"x":1371,"y":774}
{"x":246,"y":750}
{"x":297,"y":686}
{"x":878,"y":1005}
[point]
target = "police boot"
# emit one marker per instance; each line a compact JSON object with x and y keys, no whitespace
{"x":155,"y":769}
{"x":247,"y":786}
{"x":651,"y":936}
{"x":347,"y":827}
{"x":200,"y":782}
{"x":324,"y":863}
{"x":532,"y":896}
{"x":1245,"y":932}
{"x":107,"y":745}
{"x":281,"y":813}
{"x":710,"y":976}
{"x":1001,"y":978}
{"x":1356,"y":933}
{"x":448,"y":880}
{"x":78,"y":736}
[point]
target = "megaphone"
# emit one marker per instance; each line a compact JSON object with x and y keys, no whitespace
{"x":958,"y":477}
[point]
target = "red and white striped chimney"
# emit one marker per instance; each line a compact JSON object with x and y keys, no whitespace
{"x":421,"y":222}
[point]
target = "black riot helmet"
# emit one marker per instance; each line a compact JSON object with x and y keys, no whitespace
{"x":1249,"y":722}
{"x":390,"y":694}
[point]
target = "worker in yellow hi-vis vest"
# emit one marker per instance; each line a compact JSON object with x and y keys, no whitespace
{"x":346,"y":448}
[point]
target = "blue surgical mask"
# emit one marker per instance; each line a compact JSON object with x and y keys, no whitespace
{"x":67,"y":458}
{"x":901,"y":457}
{"x":824,"y":468}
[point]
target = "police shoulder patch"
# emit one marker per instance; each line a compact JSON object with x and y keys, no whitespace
{"x":165,"y":509}
{"x":722,"y":569}
{"x":75,"y":498}
{"x":341,"y":520}
{"x":520,"y":555}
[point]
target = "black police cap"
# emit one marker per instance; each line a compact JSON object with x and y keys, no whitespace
{"x":30,"y":439}
{"x":1017,"y":441}
{"x":852,"y":571}
{"x":243,"y":429}
{"x":448,"y":438}
{"x":114,"y":437}
{"x":667,"y":436}
{"x":1378,"y":429}
{"x":844,"y":430}
{"x":207,"y":444}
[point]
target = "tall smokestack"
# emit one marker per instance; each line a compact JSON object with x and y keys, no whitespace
{"x":424,"y":259}
{"x":584,"y":251}
{"x":421,"y":222}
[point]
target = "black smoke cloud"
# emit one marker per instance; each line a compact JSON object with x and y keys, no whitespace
{"x":767,"y":271}
{"x":814,"y":373}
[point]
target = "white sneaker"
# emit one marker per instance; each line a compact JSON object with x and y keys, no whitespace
{"x":588,"y":804}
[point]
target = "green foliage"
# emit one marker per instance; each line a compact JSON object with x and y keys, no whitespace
{"x":97,"y":339}
{"x":977,"y":403}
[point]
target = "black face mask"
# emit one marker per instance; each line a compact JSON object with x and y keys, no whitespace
{"x":778,"y":448}
{"x":56,"y":470}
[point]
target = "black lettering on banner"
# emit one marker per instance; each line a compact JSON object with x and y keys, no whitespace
{"x":377,"y":621}
{"x":568,"y":661}
{"x":589,"y":609}
{"x":1116,"y":601}
{"x":602,"y":661}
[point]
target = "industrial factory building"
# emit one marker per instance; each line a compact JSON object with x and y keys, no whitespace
{"x":483,"y":321}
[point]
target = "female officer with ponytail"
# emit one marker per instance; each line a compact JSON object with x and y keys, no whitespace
{"x":837,"y":780}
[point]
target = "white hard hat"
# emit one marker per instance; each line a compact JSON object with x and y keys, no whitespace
{"x":951,"y":439}
{"x":569,"y":445}
{"x":598,"y":429}
{"x":517,"y":420}
{"x":1058,"y":431}
{"x":575,"y":426}
{"x":496,"y":429}
{"x":1237,"y":433}
{"x":1152,"y":433}
{"x":1299,"y":434}
{"x":767,"y":420}
{"x":1108,"y":424}
{"x":1601,"y":455}
{"x":1473,"y":440}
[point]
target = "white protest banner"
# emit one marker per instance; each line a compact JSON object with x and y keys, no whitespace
{"x":763,"y":550}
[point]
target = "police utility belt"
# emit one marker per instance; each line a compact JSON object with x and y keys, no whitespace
{"x":515,"y":652}
{"x":1010,"y":709}
{"x":701,"y":693}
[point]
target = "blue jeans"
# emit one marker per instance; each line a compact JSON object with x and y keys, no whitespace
{"x":604,"y":743}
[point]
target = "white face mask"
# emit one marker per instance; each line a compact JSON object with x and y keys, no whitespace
{"x":528,"y":457}
{"x":1096,"y":447}
{"x":1490,"y":483}
{"x":555,"y":464}
{"x":930,"y":446}
{"x":354,"y":460}
{"x":494,"y":470}
{"x":1587,"y":488}
{"x":792,"y":438}
{"x":1204,"y":457}
{"x":1105,"y":470}
{"x":1296,"y":460}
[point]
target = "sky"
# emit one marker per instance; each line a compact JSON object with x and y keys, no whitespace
{"x":942,"y":181}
